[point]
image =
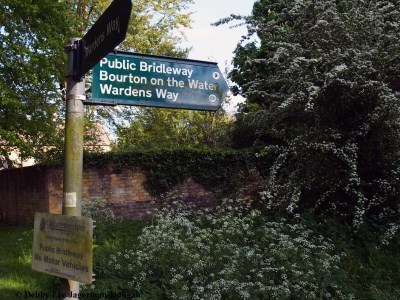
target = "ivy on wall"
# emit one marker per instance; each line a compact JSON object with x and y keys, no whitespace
{"x":220,"y":171}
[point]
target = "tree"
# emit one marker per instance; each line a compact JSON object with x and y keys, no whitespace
{"x":325,"y":77}
{"x":155,"y":27}
{"x":32,"y":38}
{"x":158,"y":127}
{"x":32,"y":62}
{"x":153,"y":128}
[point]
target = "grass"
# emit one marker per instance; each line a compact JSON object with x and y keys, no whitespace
{"x":109,"y":238}
{"x":372,"y":273}
{"x":17,"y":279}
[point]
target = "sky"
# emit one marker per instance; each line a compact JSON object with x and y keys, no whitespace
{"x":211,"y":43}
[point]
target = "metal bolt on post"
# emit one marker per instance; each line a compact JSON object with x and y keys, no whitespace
{"x":73,"y":153}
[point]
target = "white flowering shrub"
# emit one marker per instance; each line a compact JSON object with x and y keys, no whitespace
{"x":325,"y":79}
{"x":97,"y":208}
{"x":232,"y":253}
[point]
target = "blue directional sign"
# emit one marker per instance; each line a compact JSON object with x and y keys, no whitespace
{"x":146,"y":80}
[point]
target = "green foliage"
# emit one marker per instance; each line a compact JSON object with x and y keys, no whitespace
{"x":372,"y":272}
{"x":221,"y":171}
{"x":236,"y":251}
{"x":324,"y":76}
{"x":111,"y":237}
{"x":16,"y":274}
{"x":233,"y":253}
{"x":32,"y":59}
{"x":165,"y":169}
{"x":32,"y":64}
{"x":156,"y":128}
{"x":155,"y":27}
{"x":367,"y":271}
{"x":97,"y":209}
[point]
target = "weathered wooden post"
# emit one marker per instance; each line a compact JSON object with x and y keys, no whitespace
{"x":73,"y":150}
{"x":83,"y":54}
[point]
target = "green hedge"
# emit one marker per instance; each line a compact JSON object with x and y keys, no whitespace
{"x":220,"y":171}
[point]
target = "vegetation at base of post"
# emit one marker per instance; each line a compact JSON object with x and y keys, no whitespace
{"x":17,"y":279}
{"x":366,"y":271}
{"x":97,"y":209}
{"x":238,"y":252}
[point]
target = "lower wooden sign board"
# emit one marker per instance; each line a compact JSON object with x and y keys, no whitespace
{"x":63,"y":246}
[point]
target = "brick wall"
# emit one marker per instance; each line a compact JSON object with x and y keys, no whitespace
{"x":191,"y":192}
{"x":22,"y":192}
{"x":28,"y":190}
{"x":124,"y":186}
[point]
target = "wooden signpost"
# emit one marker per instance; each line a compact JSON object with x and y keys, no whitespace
{"x":107,"y":33}
{"x":62,"y":244}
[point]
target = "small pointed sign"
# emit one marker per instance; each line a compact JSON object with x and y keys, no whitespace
{"x":106,"y":34}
